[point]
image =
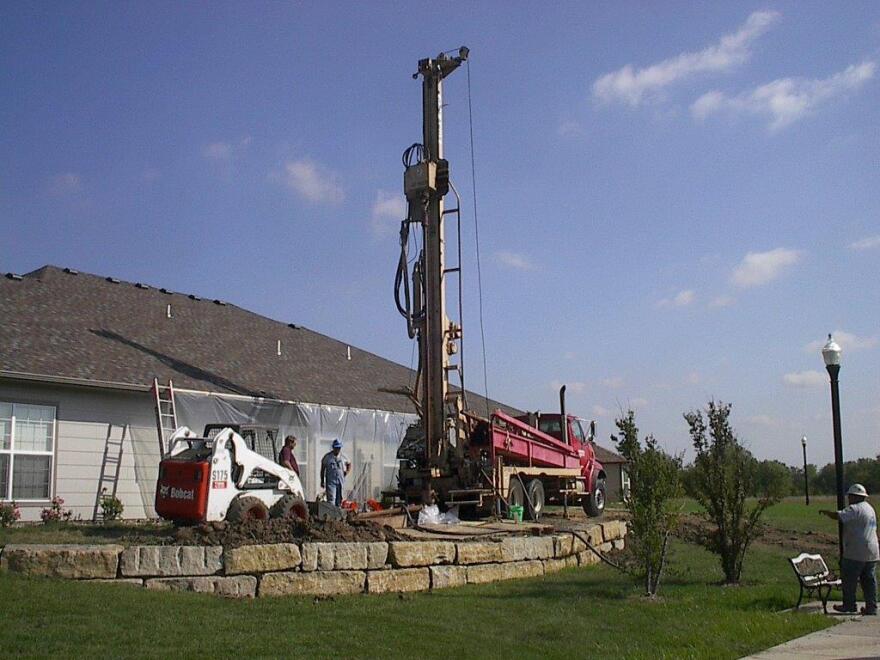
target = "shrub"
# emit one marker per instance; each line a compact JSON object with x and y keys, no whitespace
{"x":655,"y":481}
{"x":111,"y":506}
{"x":723,"y":476}
{"x":9,"y":513}
{"x":56,"y":512}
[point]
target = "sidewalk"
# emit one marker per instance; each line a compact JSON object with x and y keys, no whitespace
{"x":856,"y":637}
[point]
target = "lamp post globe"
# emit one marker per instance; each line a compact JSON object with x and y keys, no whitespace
{"x":831,"y":355}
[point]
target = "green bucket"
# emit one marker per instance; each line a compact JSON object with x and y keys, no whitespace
{"x":515,"y":513}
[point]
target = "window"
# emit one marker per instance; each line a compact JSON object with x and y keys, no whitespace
{"x":27,"y":445}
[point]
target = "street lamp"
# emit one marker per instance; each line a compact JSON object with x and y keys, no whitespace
{"x":806,"y":479}
{"x":831,"y":355}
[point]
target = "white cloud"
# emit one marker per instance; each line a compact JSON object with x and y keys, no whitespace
{"x":571,"y":129}
{"x":810,"y":378}
{"x":311,"y":181}
{"x":575,"y":387}
{"x":866,"y":243}
{"x":638,"y":402}
{"x":785,"y":100}
{"x":615,"y":382}
{"x":599,"y":411}
{"x":66,"y":183}
{"x":388,"y":210}
{"x":846,"y":340}
{"x":759,"y":268}
{"x":681,"y":299}
{"x":218,"y":152}
{"x":722,"y":301}
{"x":631,"y":86}
{"x":514,"y":260}
{"x":762,"y":420}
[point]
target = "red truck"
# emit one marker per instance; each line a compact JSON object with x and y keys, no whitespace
{"x":531,"y":460}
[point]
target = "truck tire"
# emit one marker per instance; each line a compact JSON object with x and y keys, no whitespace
{"x":535,"y":500}
{"x":516,"y":494}
{"x":594,"y":505}
{"x":247,"y":507}
{"x":290,"y":507}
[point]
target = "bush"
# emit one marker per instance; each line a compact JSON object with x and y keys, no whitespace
{"x":56,"y":512}
{"x":111,"y":506}
{"x":655,"y":480}
{"x":9,"y":513}
{"x":723,"y":476}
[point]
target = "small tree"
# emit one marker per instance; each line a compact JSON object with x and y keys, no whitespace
{"x":655,"y":480}
{"x":722,"y":478}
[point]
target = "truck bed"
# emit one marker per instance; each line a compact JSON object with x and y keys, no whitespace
{"x":519,"y":443}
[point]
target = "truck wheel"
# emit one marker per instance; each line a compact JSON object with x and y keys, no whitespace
{"x":246,"y":508}
{"x":535,"y":500}
{"x":290,"y":507}
{"x":594,"y":505}
{"x":516,"y":494}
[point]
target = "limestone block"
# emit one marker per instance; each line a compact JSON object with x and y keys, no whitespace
{"x":170,"y":560}
{"x":523,"y":569}
{"x":443,"y":577}
{"x":593,"y":534}
{"x":309,"y":557}
{"x":619,"y":544}
{"x":565,"y":545}
{"x":64,"y":561}
{"x":613,"y":530}
{"x":343,"y":556}
{"x":403,"y":554}
{"x":587,"y":558}
{"x":518,"y":548}
{"x":481,"y":552}
{"x":606,"y":547}
{"x":480,"y":573}
{"x":377,"y":554}
{"x":132,"y":582}
{"x":240,"y":586}
{"x":398,"y":579}
{"x":316,"y":583}
{"x":262,"y":558}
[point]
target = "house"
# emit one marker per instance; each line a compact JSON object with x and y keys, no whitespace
{"x":617,"y":481}
{"x":78,"y":356}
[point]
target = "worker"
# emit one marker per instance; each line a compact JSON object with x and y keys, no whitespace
{"x":334,"y":468}
{"x":860,"y":550}
{"x":286,"y":457}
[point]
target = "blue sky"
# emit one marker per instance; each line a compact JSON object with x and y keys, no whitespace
{"x":676,"y":201}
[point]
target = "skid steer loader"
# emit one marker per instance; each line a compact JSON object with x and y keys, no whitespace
{"x":218,"y":477}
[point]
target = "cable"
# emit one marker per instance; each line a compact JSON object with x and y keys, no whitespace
{"x":477,"y":238}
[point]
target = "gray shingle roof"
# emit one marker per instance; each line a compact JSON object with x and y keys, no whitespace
{"x":608,"y":457}
{"x":64,"y":325}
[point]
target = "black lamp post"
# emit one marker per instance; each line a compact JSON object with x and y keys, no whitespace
{"x":806,"y":478}
{"x":831,"y":355}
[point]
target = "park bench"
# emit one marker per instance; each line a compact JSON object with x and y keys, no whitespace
{"x":813,"y":576}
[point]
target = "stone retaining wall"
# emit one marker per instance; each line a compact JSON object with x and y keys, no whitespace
{"x":319,"y":569}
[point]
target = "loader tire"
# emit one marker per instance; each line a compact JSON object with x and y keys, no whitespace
{"x":535,"y":501}
{"x":290,"y":507}
{"x":594,"y":505}
{"x":247,"y":507}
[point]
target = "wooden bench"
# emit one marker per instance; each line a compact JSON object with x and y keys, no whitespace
{"x":813,"y":576}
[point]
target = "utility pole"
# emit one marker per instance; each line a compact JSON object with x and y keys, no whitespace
{"x":806,"y":478}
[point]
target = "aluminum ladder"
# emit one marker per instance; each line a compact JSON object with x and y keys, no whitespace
{"x":111,"y":466}
{"x":166,"y":413}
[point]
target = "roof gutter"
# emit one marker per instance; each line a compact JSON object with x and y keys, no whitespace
{"x":67,"y":380}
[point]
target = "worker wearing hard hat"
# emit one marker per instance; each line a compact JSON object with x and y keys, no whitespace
{"x":860,"y":550}
{"x":334,"y":468}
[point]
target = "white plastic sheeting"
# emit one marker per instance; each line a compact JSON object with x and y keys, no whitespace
{"x":370,"y":437}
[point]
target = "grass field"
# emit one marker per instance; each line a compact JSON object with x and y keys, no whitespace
{"x":590,"y":612}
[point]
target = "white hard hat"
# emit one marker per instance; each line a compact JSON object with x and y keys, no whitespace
{"x":857,"y":489}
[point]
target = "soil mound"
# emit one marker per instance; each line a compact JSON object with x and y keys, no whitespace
{"x":282,"y":531}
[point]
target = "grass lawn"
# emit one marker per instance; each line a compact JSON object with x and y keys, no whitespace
{"x":580,"y":612}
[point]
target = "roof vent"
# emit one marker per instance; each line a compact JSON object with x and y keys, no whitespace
{"x":112,"y":279}
{"x":13,"y":276}
{"x":293,"y":325}
{"x":164,"y":290}
{"x":141,"y":285}
{"x":71,"y":271}
{"x":219,"y":302}
{"x":193,"y":296}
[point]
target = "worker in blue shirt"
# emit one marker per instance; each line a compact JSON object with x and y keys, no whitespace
{"x":334,"y":468}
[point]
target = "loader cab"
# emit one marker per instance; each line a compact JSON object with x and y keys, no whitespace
{"x":260,"y":440}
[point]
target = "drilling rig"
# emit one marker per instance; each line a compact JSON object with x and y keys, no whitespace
{"x":452,"y":455}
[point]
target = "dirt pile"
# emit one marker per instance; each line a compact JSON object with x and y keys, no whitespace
{"x":696,"y":529}
{"x":282,"y":531}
